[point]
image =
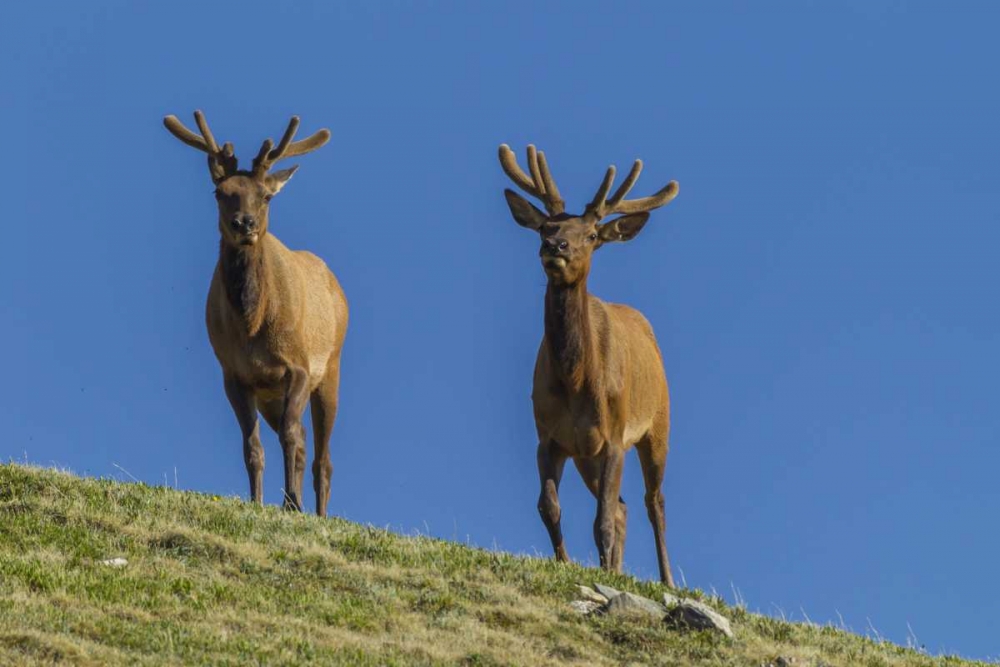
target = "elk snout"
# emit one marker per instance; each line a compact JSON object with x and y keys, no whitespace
{"x":554,"y":246}
{"x":243,"y":223}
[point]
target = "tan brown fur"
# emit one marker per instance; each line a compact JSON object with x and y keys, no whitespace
{"x":276,"y":318}
{"x":599,"y":386}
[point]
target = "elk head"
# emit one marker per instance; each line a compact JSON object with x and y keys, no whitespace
{"x":243,"y":196}
{"x":569,"y":241}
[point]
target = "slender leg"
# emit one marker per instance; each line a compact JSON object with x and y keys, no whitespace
{"x":324,"y":413}
{"x":653,"y":459}
{"x":242,"y":400}
{"x":621,"y":524}
{"x":608,"y":501}
{"x":292,"y":436}
{"x":590,"y":472}
{"x":550,"y":468}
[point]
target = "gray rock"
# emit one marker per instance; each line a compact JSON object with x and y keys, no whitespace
{"x":780,"y":661}
{"x":670,"y":600}
{"x":607,"y":591}
{"x":628,"y":603}
{"x":584,"y":607}
{"x":588,"y":593}
{"x":695,"y":615}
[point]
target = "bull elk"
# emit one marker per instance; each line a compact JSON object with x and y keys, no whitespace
{"x":276,"y":317}
{"x":599,"y":386}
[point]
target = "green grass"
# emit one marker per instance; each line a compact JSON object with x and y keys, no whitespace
{"x":215,"y":580}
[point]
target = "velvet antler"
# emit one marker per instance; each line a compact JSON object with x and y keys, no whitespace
{"x":221,"y":162}
{"x":602,"y":207}
{"x":540,"y":184}
{"x":267,"y":156}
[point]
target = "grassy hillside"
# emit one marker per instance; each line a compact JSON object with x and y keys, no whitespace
{"x":214,"y":580}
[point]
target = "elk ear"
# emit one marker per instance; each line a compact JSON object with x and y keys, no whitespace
{"x":524,"y":212}
{"x":277,"y":179}
{"x":624,"y":228}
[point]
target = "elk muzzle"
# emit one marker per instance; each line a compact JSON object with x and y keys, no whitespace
{"x":554,"y":246}
{"x":555,"y":253}
{"x":245,"y":227}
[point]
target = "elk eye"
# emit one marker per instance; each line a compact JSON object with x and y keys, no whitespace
{"x":593,"y":237}
{"x":267,"y":198}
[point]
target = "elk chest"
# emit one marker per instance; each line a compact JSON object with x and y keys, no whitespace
{"x":582,"y":425}
{"x":575,"y":421}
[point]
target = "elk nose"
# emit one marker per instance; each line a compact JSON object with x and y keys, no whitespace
{"x":555,"y":245}
{"x":244,"y":222}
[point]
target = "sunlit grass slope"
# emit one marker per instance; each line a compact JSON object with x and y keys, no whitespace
{"x":215,"y":580}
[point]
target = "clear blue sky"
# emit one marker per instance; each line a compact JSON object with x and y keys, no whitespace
{"x":823,"y":289}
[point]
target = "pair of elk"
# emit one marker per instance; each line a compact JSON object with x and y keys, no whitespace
{"x":277,"y":320}
{"x":599,"y":385}
{"x":276,"y":317}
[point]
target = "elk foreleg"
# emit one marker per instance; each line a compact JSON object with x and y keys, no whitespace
{"x":609,"y":508}
{"x":590,"y":472}
{"x":550,"y":468}
{"x":244,"y":406}
{"x":292,"y":435}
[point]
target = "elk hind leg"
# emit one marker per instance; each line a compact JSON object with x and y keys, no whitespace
{"x":324,"y":414}
{"x":652,"y":452}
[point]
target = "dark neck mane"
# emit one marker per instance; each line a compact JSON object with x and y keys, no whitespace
{"x":244,"y":275}
{"x":568,"y":332}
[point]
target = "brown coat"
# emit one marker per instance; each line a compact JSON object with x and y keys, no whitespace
{"x":599,"y":388}
{"x":276,"y":318}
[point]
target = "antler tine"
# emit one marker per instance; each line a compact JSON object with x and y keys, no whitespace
{"x":508,"y":161}
{"x":618,"y":203}
{"x":599,"y":205}
{"x":199,"y":118}
{"x":276,"y":154}
{"x":261,"y":163}
{"x":664,"y":196}
{"x":626,"y":185}
{"x":536,"y":173}
{"x":226,"y":158}
{"x":287,"y":148}
{"x":540,"y":184}
{"x":551,"y":191}
{"x":307,"y":145}
{"x":222,"y":162}
{"x":176,"y":128}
